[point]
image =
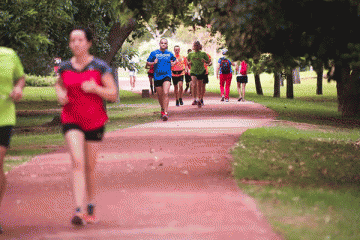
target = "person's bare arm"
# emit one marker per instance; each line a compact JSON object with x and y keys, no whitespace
{"x":107,"y":91}
{"x":152,"y":63}
{"x":17,"y":91}
{"x":61,"y":92}
{"x":217,"y":71}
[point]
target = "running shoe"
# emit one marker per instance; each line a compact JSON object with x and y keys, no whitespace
{"x":202,"y":102}
{"x":194,"y":103}
{"x":165,"y":117}
{"x":181,"y":101}
{"x":239,"y":99}
{"x":177,"y":103}
{"x":227,"y":100}
{"x":78,"y":219}
{"x":199,"y":104}
{"x":162,"y":115}
{"x":90,"y":216}
{"x":222,"y":99}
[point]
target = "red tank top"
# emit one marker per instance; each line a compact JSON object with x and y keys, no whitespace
{"x":84,"y":109}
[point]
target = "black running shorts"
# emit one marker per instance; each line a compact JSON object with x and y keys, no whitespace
{"x":159,"y":83}
{"x":93,"y":135}
{"x":5,"y":135}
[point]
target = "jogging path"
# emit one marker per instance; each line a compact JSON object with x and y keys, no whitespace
{"x":161,"y":180}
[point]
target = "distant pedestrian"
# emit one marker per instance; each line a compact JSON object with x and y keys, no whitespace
{"x":242,"y":79}
{"x":84,"y":81}
{"x":151,"y":78}
{"x":178,"y":72}
{"x":132,"y":75}
{"x":187,"y":74}
{"x":162,"y":60}
{"x":196,"y":59}
{"x":12,"y":83}
{"x":224,"y":69}
{"x":206,"y":78}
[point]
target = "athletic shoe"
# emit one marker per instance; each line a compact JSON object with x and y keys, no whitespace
{"x":199,"y":104}
{"x":227,"y":100}
{"x":202,"y":102}
{"x":222,"y":99}
{"x":177,"y":103}
{"x":165,"y":117}
{"x":91,"y":219}
{"x":239,"y":99}
{"x":90,"y":216}
{"x":194,"y":102}
{"x":181,"y":101}
{"x":78,"y":219}
{"x":162,"y":114}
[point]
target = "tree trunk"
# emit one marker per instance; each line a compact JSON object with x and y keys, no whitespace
{"x":319,"y":69}
{"x":258,"y":85}
{"x":348,"y":88}
{"x":117,"y":36}
{"x":289,"y":84}
{"x":277,"y":84}
{"x":319,"y":77}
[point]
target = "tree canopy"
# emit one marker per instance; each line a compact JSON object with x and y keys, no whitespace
{"x":288,"y":29}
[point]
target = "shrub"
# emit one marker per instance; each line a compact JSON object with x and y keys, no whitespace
{"x":40,"y":81}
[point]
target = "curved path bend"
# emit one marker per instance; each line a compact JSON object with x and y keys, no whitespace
{"x":161,"y":180}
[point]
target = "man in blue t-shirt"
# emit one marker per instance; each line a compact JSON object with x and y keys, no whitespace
{"x":162,"y":60}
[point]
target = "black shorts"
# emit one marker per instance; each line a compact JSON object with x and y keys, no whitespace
{"x":199,"y":76}
{"x":242,"y":79}
{"x":5,"y":135}
{"x":206,"y":79}
{"x":159,"y":83}
{"x":92,"y":135}
{"x":150,"y":75}
{"x":187,"y":78}
{"x":176,"y":80}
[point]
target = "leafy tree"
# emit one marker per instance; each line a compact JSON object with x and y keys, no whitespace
{"x":272,"y":26}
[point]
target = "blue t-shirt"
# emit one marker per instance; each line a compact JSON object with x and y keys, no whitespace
{"x":220,"y":64}
{"x":163,"y":68}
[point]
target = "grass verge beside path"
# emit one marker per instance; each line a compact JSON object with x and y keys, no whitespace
{"x":304,"y":169}
{"x":33,"y":134}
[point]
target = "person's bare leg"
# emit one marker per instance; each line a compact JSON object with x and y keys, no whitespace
{"x":2,"y":174}
{"x":76,"y":143}
{"x":176,"y":91}
{"x":92,"y":151}
{"x":239,"y":89}
{"x":151,"y":85}
{"x":160,"y":93}
{"x":180,"y":89}
{"x":199,"y":88}
{"x":203,"y":91}
{"x":194,"y":87}
{"x":166,"y":88}
{"x":243,"y":91}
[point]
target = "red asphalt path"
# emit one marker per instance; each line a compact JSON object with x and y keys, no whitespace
{"x":162,"y":180}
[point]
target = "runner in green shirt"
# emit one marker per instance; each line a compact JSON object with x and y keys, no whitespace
{"x":12,"y":82}
{"x":197,"y":59}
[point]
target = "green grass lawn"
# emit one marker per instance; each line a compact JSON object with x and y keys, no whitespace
{"x":304,"y":176}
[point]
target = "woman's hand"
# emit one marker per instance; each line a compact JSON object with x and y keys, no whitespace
{"x":89,"y":86}
{"x":62,"y":98}
{"x":16,"y":94}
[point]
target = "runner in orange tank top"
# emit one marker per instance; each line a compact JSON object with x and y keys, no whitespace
{"x":178,"y":72}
